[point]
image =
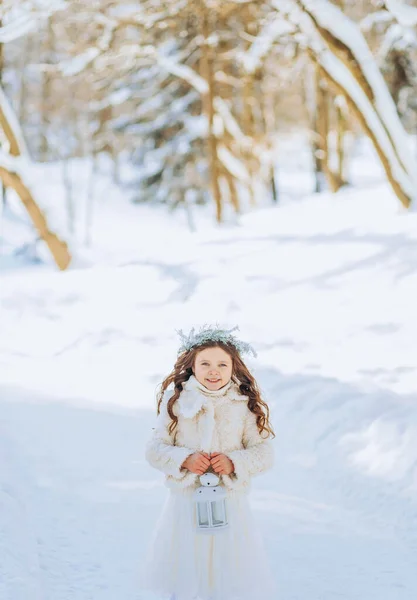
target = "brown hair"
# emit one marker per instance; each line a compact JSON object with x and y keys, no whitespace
{"x":182,"y":372}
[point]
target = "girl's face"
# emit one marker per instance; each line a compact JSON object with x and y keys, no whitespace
{"x":213,"y":367}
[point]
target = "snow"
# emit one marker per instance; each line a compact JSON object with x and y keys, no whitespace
{"x":384,"y":122}
{"x":19,"y":27}
{"x":20,"y":18}
{"x":405,"y":14}
{"x":375,"y":18}
{"x":399,"y":38}
{"x":323,"y":287}
{"x":348,"y":32}
{"x":233,"y":164}
{"x":264,"y":41}
{"x":80,"y":62}
{"x":229,"y":122}
{"x":11,"y":119}
{"x":18,"y":547}
{"x":184,"y":72}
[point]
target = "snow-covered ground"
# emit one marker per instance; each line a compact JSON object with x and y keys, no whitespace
{"x":325,"y":287}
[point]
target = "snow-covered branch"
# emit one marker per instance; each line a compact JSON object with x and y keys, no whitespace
{"x":337,"y":45}
{"x":264,"y":41}
{"x":331,"y":19}
{"x":183,"y":71}
{"x":20,"y":18}
{"x":80,"y":62}
{"x":230,"y":124}
{"x":375,"y":18}
{"x":405,"y":14}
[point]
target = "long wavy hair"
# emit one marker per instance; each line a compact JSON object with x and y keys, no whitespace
{"x":183,"y":369}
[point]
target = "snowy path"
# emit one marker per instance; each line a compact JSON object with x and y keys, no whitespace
{"x":95,"y":500}
{"x":328,"y":300}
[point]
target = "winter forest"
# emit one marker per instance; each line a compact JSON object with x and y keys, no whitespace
{"x":166,"y":164}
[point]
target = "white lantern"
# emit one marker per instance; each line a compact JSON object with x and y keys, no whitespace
{"x":210,"y":501}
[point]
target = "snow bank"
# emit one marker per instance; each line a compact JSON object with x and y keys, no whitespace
{"x":323,"y":287}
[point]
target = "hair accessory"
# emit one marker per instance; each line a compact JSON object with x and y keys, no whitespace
{"x":213,"y":334}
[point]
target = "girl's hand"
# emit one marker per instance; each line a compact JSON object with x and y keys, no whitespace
{"x":197,"y":463}
{"x":221,"y":463}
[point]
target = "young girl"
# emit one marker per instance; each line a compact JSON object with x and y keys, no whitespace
{"x":210,"y":418}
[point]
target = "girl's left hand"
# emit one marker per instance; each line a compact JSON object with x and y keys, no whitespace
{"x":221,"y":463}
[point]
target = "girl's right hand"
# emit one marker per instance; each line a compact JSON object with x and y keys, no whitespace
{"x":197,"y":463}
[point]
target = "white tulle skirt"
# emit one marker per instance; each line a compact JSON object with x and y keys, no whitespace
{"x":187,"y":565}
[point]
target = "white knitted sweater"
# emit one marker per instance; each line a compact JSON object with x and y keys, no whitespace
{"x":209,"y":421}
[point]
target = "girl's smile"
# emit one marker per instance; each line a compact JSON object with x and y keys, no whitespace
{"x":213,"y":367}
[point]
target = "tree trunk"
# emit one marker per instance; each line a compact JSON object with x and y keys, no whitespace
{"x":234,"y":198}
{"x":248,"y":128}
{"x":319,"y":152}
{"x":341,"y":51}
{"x":207,"y":72}
{"x":341,"y":129}
{"x":46,"y":91}
{"x":267,"y":101}
{"x":22,"y":103}
{"x":89,"y":207}
{"x":17,"y":147}
{"x":11,"y":128}
{"x":69,"y":196}
{"x":323,"y":130}
{"x":58,"y":248}
{"x":396,"y":186}
{"x":2,"y":187}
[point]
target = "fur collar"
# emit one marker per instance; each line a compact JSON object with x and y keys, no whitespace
{"x":192,"y":399}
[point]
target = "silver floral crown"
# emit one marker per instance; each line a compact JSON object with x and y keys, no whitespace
{"x":213,"y":334}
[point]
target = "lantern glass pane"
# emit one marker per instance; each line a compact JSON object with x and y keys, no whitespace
{"x":202,"y":514}
{"x":218,"y":512}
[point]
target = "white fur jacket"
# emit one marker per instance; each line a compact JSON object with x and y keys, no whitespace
{"x":209,"y":421}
